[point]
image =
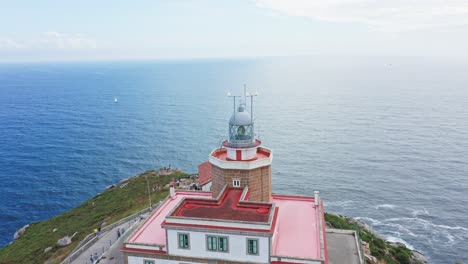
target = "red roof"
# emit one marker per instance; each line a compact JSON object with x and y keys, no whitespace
{"x":228,"y":207}
{"x":204,"y":173}
{"x":222,"y":154}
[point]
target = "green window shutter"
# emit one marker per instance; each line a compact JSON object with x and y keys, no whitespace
{"x":183,"y":241}
{"x":223,"y":243}
{"x":252,"y":246}
{"x":212,"y":243}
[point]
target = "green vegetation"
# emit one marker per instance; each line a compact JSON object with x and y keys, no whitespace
{"x":379,"y":248}
{"x":110,"y":206}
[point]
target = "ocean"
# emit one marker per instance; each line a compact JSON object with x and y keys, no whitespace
{"x":384,"y":139}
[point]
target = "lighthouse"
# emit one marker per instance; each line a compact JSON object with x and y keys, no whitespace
{"x":237,"y":219}
{"x":241,"y":161}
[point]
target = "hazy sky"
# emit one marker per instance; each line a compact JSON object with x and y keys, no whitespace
{"x":151,"y":29}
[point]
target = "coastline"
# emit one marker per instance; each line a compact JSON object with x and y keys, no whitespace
{"x":52,"y":240}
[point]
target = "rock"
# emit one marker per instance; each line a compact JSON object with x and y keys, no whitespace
{"x":47,"y":249}
{"x":364,"y":227}
{"x":371,"y":259}
{"x":64,"y":241}
{"x":366,"y":247}
{"x":55,"y":229}
{"x":397,"y":244}
{"x":20,"y":232}
{"x":103,"y":224}
{"x":417,"y":258}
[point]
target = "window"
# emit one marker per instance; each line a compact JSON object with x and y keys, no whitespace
{"x":184,"y":240}
{"x":148,"y":261}
{"x":212,"y":243}
{"x":217,"y":243}
{"x":252,"y":246}
{"x":236,"y":183}
{"x":223,"y":244}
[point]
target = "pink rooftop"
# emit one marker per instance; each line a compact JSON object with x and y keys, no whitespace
{"x":296,"y":229}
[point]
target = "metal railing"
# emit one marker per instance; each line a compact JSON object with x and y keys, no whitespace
{"x":90,"y":239}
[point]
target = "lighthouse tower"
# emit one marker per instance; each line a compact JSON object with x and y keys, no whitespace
{"x":242,"y":161}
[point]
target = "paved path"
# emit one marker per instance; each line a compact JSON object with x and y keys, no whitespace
{"x":108,"y":245}
{"x":113,"y":254}
{"x":342,"y":247}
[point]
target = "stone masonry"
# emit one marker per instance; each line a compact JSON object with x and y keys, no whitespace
{"x":258,"y":180}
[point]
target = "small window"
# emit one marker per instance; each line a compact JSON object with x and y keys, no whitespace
{"x":252,"y":246}
{"x":212,"y":243}
{"x":236,"y":183}
{"x":184,"y":240}
{"x":223,"y":244}
{"x":217,"y":243}
{"x":148,"y":261}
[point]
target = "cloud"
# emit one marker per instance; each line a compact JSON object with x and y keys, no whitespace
{"x":390,"y":15}
{"x":50,"y":40}
{"x":55,"y":40}
{"x":10,"y":44}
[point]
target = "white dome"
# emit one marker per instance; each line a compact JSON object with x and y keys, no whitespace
{"x":240,"y":119}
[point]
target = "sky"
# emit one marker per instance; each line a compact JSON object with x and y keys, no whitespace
{"x":175,"y":29}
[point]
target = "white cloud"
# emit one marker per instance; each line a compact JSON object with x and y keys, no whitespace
{"x":50,"y":40}
{"x":390,"y":15}
{"x":10,"y":44}
{"x":55,"y":40}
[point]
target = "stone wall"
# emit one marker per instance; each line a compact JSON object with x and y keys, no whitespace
{"x":258,"y":180}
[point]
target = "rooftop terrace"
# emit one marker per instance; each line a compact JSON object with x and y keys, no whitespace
{"x":229,"y":206}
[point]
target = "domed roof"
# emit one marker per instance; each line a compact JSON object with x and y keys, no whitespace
{"x":240,"y":118}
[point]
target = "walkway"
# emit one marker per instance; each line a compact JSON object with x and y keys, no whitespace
{"x":108,"y":245}
{"x":343,"y":247}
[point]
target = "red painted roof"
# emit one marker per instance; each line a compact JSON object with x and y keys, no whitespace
{"x":228,"y":207}
{"x":151,"y":231}
{"x":222,"y":155}
{"x":204,"y":173}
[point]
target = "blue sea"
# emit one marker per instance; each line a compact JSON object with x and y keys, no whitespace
{"x":384,"y":139}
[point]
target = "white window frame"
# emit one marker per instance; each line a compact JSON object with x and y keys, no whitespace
{"x":234,"y":181}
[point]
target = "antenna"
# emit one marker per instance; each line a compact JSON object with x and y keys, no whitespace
{"x":245,"y":94}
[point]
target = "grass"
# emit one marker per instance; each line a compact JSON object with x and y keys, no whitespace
{"x":379,"y":248}
{"x":109,"y":206}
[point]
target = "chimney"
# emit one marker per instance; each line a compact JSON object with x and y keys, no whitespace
{"x":171,"y":190}
{"x":316,"y":198}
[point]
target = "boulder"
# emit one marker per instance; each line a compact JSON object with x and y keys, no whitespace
{"x":371,"y":259}
{"x":47,"y":249}
{"x":64,"y":241}
{"x":417,"y":258}
{"x":20,"y":232}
